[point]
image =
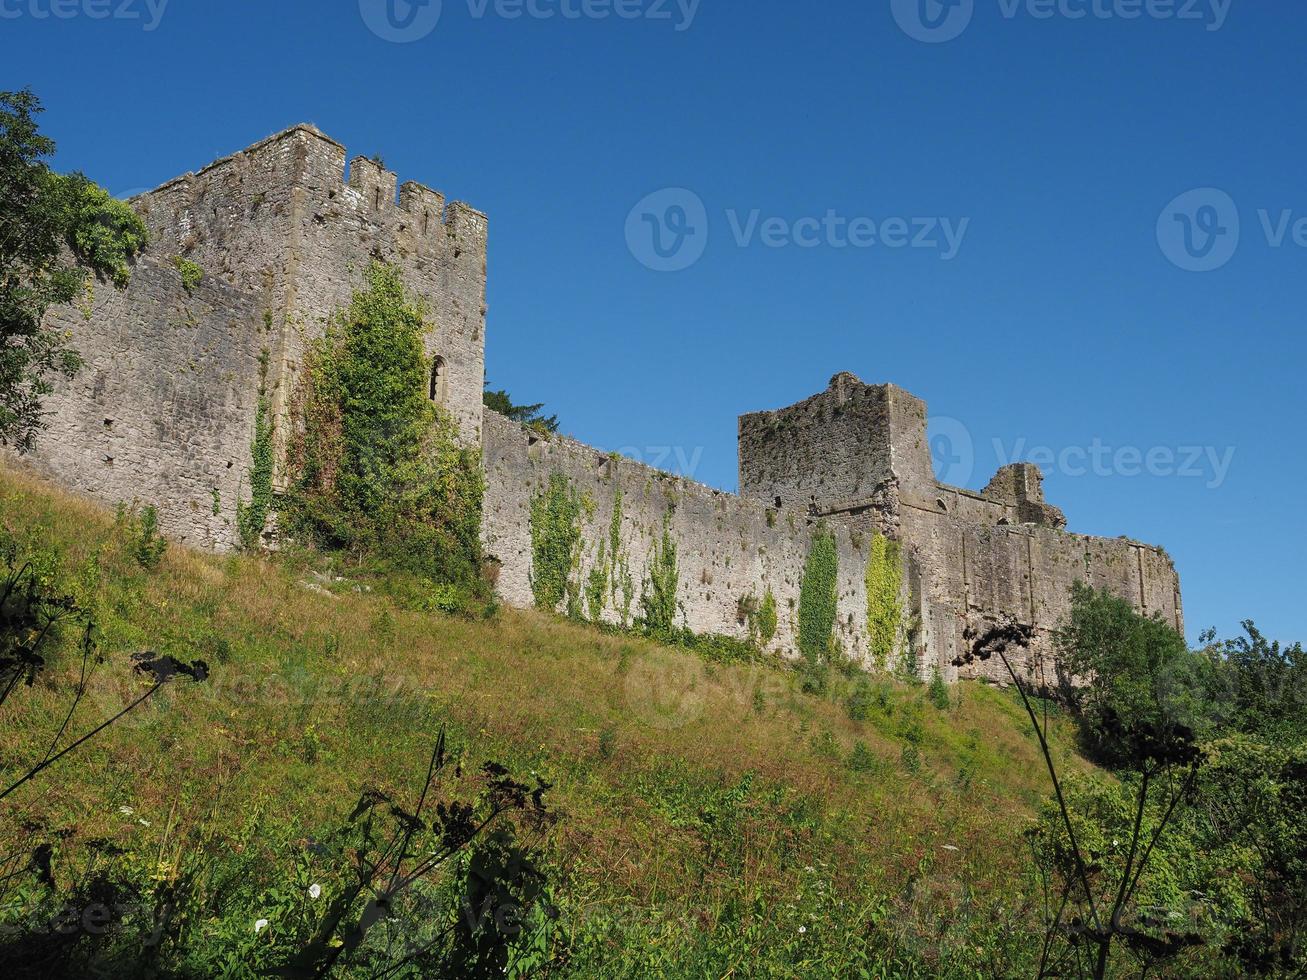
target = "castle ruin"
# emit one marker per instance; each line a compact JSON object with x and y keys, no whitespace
{"x":164,"y":412}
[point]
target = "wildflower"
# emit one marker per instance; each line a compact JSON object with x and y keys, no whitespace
{"x":143,"y":822}
{"x":315,"y":890}
{"x":802,"y":930}
{"x":126,"y":811}
{"x":260,"y":926}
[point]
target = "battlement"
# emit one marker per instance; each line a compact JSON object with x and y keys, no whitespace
{"x":839,"y":446}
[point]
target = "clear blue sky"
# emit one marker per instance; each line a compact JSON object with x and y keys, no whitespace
{"x":1058,"y":324}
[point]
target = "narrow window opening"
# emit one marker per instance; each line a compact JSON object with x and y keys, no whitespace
{"x":439,"y":380}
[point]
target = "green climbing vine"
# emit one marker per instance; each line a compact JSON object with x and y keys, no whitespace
{"x":556,"y":543}
{"x":817,"y":601}
{"x":884,"y":608}
{"x":659,"y":597}
{"x":765,"y":621}
{"x":621,"y":581}
{"x":252,"y":516}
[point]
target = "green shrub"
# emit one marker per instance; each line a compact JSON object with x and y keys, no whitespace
{"x":860,"y":700}
{"x":376,"y":468}
{"x":938,"y":692}
{"x":192,"y":275}
{"x":140,"y":529}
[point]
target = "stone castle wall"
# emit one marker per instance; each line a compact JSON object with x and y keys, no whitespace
{"x":280,"y":221}
{"x":728,"y":547}
{"x":163,"y":408}
{"x":164,"y":413}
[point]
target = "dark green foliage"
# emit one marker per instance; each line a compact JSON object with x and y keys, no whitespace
{"x":376,"y":467}
{"x":1249,"y":820}
{"x":1256,"y":686}
{"x":41,"y":213}
{"x":817,"y":601}
{"x":938,"y":692}
{"x":861,"y":699}
{"x":528,"y":415}
{"x":555,"y":542}
{"x":1140,"y":670}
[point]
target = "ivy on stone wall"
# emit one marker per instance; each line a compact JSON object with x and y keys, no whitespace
{"x":659,"y":598}
{"x":817,"y":600}
{"x":765,"y":619}
{"x":252,"y":517}
{"x":621,"y":581}
{"x":556,"y":542}
{"x":884,"y":608}
{"x":375,"y":467}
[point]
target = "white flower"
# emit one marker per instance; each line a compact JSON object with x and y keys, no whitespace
{"x":126,"y":811}
{"x":948,"y":847}
{"x":802,"y":930}
{"x":315,"y":890}
{"x":143,"y":822}
{"x":260,"y":925}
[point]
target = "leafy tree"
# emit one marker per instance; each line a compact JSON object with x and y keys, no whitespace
{"x":45,"y":218}
{"x":529,"y":415}
{"x":1135,"y":670}
{"x":1251,"y":801}
{"x":1093,"y":890}
{"x":1256,"y":686}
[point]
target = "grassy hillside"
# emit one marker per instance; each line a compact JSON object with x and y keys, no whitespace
{"x":714,"y":820}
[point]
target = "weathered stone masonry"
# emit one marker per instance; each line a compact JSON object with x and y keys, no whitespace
{"x":164,"y":413}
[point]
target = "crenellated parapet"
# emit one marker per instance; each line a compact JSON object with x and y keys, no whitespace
{"x":286,"y":221}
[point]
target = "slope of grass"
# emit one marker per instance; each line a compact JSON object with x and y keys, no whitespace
{"x":714,"y":820}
